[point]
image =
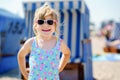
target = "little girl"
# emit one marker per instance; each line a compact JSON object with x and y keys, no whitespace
{"x":44,"y":48}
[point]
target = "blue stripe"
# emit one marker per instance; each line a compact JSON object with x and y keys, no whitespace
{"x":70,"y":4}
{"x":28,"y":23}
{"x":78,"y":34}
{"x":42,"y":3}
{"x":61,"y":22}
{"x":86,"y":9}
{"x":72,"y":60}
{"x":69,"y":28}
{"x":84,"y":27}
{"x":52,"y":4}
{"x":25,"y":6}
{"x":86,"y":21}
{"x":84,"y":57}
{"x":33,"y":6}
{"x":85,"y":35}
{"x":32,"y":23}
{"x":87,"y":25}
{"x":79,"y":4}
{"x":61,"y":5}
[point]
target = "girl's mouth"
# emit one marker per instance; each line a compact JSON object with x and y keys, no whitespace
{"x":46,"y":30}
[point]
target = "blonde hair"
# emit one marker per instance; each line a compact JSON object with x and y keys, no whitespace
{"x":42,"y":12}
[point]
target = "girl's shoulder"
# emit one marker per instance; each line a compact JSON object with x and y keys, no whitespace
{"x":28,"y":44}
{"x":29,"y":41}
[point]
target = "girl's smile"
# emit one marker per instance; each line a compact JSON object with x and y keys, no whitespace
{"x":46,"y":30}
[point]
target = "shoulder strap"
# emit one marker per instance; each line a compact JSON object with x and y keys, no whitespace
{"x":59,"y":42}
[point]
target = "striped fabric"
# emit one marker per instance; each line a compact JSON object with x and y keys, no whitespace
{"x":58,"y":5}
{"x":70,"y":19}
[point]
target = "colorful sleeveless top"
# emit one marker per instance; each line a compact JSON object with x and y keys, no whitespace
{"x":44,"y":63}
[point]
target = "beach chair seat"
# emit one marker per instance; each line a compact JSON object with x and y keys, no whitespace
{"x":111,"y":49}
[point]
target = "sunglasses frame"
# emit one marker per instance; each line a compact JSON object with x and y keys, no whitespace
{"x":46,"y":21}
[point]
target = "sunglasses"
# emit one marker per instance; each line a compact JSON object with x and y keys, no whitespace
{"x":49,"y":22}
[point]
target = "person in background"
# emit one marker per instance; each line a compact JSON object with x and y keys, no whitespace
{"x":114,"y":37}
{"x":112,"y":44}
{"x":44,"y":60}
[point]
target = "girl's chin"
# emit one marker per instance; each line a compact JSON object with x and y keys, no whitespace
{"x":47,"y":34}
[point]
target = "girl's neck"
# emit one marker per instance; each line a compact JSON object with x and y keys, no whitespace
{"x":43,"y":38}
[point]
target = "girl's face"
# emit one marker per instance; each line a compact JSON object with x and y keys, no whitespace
{"x":46,"y":27}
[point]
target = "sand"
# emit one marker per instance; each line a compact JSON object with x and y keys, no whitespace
{"x":106,"y":70}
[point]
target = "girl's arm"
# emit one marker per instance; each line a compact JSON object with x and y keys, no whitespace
{"x":26,"y":48}
{"x":65,"y":56}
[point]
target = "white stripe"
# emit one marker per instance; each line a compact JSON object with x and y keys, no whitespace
{"x":66,"y":5}
{"x":73,"y":46}
{"x":77,"y":60}
{"x":65,"y":26}
{"x":29,"y":6}
{"x":37,"y":4}
{"x":56,"y":5}
{"x":75,"y":4}
{"x":59,"y":26}
{"x":83,"y":7}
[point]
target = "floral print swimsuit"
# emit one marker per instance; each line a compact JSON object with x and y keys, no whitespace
{"x":44,"y":63}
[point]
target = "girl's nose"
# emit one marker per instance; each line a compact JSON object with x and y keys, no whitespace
{"x":45,"y":24}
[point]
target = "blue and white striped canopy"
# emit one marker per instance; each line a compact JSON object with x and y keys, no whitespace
{"x":58,"y":5}
{"x":73,"y":18}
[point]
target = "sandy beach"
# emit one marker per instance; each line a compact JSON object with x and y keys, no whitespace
{"x":102,"y":70}
{"x":106,"y":70}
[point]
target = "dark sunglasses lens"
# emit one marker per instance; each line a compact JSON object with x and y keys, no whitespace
{"x":40,"y":22}
{"x":50,"y":22}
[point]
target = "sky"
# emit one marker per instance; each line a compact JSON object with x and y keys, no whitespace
{"x":100,"y":10}
{"x":103,"y":10}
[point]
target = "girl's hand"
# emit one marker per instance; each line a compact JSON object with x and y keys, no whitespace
{"x":25,"y":76}
{"x":28,"y":70}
